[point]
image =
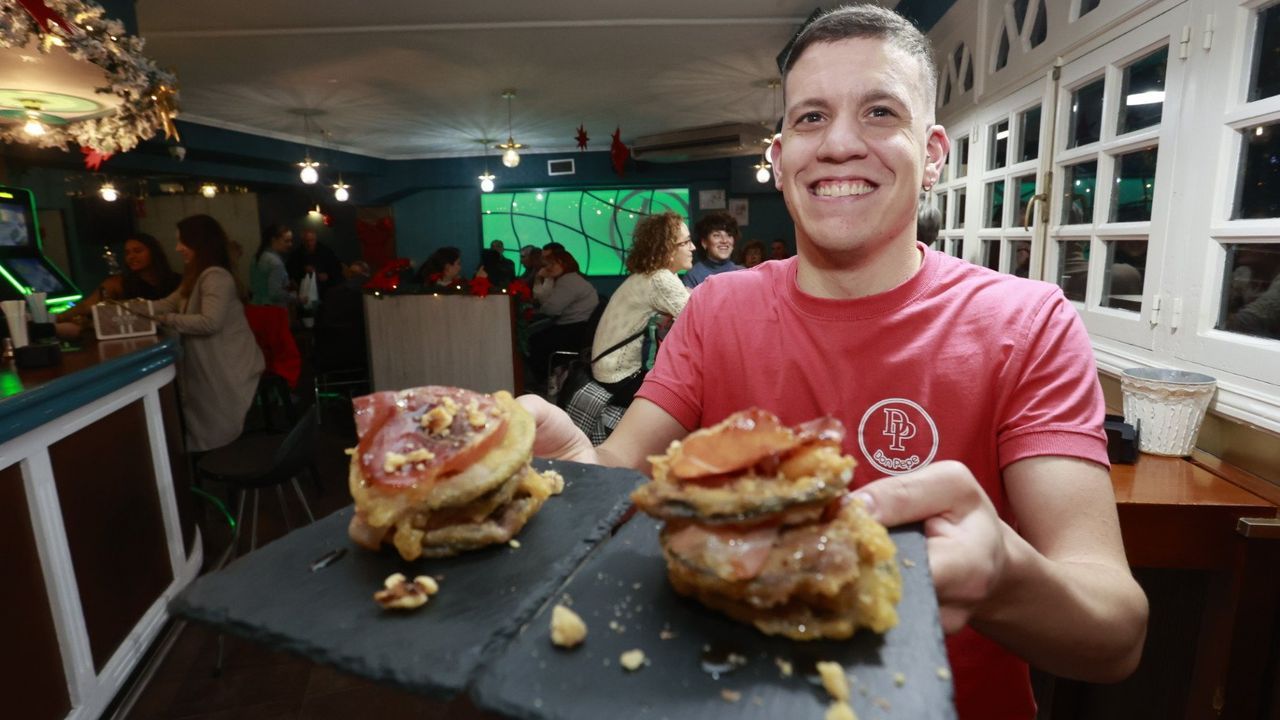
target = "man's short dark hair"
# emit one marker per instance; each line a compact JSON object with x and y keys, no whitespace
{"x":714,"y":221}
{"x":851,"y":22}
{"x":553,"y":246}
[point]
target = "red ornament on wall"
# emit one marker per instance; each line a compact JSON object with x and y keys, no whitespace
{"x":582,"y":138}
{"x":93,"y":158}
{"x":618,"y":152}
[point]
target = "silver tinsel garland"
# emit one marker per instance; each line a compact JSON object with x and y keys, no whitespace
{"x":102,"y":41}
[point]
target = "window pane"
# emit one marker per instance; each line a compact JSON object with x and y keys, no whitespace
{"x":1002,"y":54}
{"x":1073,"y":268}
{"x":1087,"y":5}
{"x":1142,"y":93}
{"x":1026,"y":190}
{"x":1021,"y":258}
{"x":968,"y":76}
{"x":991,"y":254}
{"x":1078,"y":185}
{"x":1258,"y":194}
{"x":999,"y":144}
{"x":941,"y":204}
{"x":1266,"y":55}
{"x":957,"y":247}
{"x":960,"y":203}
{"x":1086,"y":114}
{"x":1020,"y":12}
{"x":962,"y":157}
{"x":1029,"y":134}
{"x":995,"y":204}
{"x":1135,"y":186}
{"x":1251,"y":291}
{"x":1126,"y":268}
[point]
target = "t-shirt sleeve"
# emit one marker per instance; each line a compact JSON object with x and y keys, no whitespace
{"x":675,"y":383}
{"x":1053,"y":404}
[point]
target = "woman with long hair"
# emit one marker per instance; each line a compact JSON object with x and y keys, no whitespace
{"x":146,"y":274}
{"x":567,"y":298}
{"x":269,"y":280}
{"x":661,"y":247}
{"x":443,"y":269}
{"x":221,"y":363}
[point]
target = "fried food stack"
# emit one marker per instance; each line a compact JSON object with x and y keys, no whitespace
{"x":759,"y":525}
{"x":441,"y":470}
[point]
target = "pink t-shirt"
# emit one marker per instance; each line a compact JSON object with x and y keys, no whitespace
{"x":957,"y":363}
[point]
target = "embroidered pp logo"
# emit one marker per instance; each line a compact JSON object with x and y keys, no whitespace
{"x":897,"y":436}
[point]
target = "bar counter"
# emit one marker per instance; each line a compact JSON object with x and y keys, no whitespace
{"x":95,"y":521}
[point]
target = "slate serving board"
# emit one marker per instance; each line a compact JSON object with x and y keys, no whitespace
{"x":272,"y":596}
{"x":625,"y":582}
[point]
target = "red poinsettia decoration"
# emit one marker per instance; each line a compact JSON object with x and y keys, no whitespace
{"x":93,"y":157}
{"x":479,"y":286}
{"x":434,"y":278}
{"x":45,"y":16}
{"x":582,"y":137}
{"x":520,"y":290}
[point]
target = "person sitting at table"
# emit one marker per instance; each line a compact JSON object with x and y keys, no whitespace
{"x":441,"y":271}
{"x":660,"y":249}
{"x":567,"y":298}
{"x":498,"y":269}
{"x":146,"y":275}
{"x":269,"y":280}
{"x":220,"y":364}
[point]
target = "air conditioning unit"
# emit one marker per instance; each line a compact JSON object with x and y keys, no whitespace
{"x":711,"y":141}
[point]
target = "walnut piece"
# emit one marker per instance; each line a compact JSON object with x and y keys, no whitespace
{"x":438,"y":419}
{"x":398,"y":593}
{"x":567,"y":629}
{"x":632,"y":660}
{"x":834,"y":681}
{"x":840,"y":711}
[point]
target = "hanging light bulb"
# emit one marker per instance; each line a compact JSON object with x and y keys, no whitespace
{"x":340,"y":192}
{"x":510,"y":148}
{"x":315,"y":211}
{"x":209,"y":190}
{"x":762,"y":172}
{"x":309,"y":174}
{"x":486,"y":181}
{"x":33,"y":126}
{"x":108,"y":192}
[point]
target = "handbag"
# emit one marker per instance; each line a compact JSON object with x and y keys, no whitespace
{"x":624,"y":391}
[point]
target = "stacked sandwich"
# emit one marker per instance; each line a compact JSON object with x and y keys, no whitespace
{"x":759,"y":524}
{"x":441,"y":470}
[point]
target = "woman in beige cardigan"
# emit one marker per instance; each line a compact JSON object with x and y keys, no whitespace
{"x":221,"y":363}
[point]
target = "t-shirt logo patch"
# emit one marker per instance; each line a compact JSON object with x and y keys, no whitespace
{"x":898,"y":436}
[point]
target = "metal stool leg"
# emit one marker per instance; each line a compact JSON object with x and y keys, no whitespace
{"x":301,"y":499}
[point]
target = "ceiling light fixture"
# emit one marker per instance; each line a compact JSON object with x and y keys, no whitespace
{"x":340,"y":191}
{"x":510,"y":156}
{"x":308,"y":174}
{"x":486,"y":179}
{"x":764,"y":167}
{"x":315,"y":211}
{"x":108,"y":192}
{"x":209,"y":190}
{"x":33,"y":126}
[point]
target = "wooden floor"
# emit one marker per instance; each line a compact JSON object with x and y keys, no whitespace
{"x":256,"y":683}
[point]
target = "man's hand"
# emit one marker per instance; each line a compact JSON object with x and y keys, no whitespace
{"x":556,"y":436}
{"x":965,"y":536}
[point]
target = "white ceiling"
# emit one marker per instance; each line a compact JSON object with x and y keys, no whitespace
{"x":407,"y":79}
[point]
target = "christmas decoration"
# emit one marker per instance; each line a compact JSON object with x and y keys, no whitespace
{"x":79,"y":27}
{"x":479,"y":286}
{"x":582,"y":138}
{"x":618,"y":152}
{"x":94,"y":158}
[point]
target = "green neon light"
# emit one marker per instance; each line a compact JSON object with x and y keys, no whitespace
{"x":13,"y":281}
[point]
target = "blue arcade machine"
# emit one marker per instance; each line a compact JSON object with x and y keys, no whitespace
{"x":23,"y":267}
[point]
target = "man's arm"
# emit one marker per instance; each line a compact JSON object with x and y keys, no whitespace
{"x":644,"y":430}
{"x":1060,"y":594}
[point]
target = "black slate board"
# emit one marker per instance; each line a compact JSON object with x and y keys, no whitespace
{"x":271,"y":596}
{"x":625,"y":582}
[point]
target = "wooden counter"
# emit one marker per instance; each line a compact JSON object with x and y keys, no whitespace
{"x":96,"y":523}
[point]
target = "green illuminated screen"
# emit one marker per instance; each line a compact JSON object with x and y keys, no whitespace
{"x":593,"y":225}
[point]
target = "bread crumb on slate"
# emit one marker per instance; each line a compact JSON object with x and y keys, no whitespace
{"x":840,"y":711}
{"x":399,"y":593}
{"x":834,"y":681}
{"x":632,"y":660}
{"x":732,"y":696}
{"x":899,"y":679}
{"x":784,"y":667}
{"x":567,"y":629}
{"x":944,"y":674}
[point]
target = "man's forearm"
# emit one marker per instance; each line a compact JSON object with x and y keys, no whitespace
{"x":1078,"y":618}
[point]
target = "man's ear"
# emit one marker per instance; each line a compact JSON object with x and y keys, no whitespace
{"x":775,"y":158}
{"x":936,"y":147}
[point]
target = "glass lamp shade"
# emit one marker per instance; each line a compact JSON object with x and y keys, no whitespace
{"x":486,"y":183}
{"x":340,"y":193}
{"x":511,"y":158}
{"x":309,"y":174}
{"x":762,"y":174}
{"x":109,"y":193}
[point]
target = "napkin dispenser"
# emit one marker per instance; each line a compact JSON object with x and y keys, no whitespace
{"x":1122,"y":440}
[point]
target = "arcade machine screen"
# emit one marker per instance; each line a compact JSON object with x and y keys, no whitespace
{"x":23,"y":267}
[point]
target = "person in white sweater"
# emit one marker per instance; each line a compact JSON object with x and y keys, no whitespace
{"x":661,"y":248}
{"x":568,"y":298}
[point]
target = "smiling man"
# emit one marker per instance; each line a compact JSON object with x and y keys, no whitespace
{"x":971,"y":396}
{"x":717,"y":233}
